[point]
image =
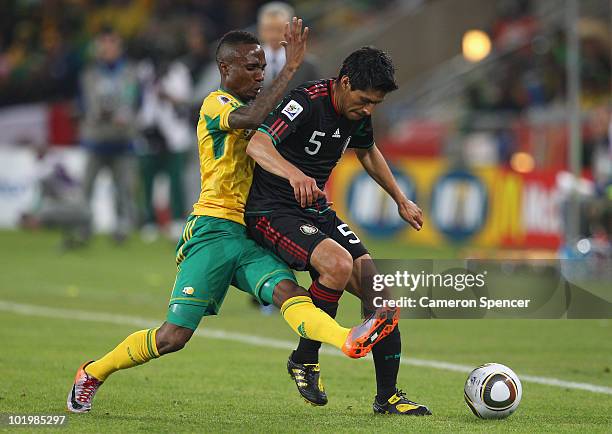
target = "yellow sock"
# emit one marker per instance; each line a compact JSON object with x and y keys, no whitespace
{"x":311,"y":322}
{"x":136,"y":349}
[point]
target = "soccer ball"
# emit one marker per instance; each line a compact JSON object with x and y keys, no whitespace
{"x":492,"y":391}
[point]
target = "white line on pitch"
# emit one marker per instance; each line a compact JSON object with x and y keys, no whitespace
{"x":81,"y":315}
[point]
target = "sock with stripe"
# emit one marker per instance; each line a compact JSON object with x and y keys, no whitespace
{"x":310,"y":322}
{"x":325,"y":299}
{"x":136,"y":349}
{"x":387,"y":353}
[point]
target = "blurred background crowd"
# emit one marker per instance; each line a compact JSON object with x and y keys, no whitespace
{"x":99,"y":100}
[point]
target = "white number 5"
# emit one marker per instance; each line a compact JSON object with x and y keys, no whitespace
{"x":315,"y":142}
{"x":344,"y":230}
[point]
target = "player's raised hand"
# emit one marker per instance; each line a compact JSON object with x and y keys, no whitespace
{"x":410,"y":212}
{"x":295,"y":43}
{"x":305,"y":189}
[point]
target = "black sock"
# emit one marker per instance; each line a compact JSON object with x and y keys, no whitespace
{"x":387,"y":353}
{"x":325,"y":299}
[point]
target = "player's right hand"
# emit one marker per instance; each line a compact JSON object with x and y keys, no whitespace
{"x":409,"y":211}
{"x":305,"y":189}
{"x":295,"y":43}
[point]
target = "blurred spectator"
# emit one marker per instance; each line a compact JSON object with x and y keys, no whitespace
{"x":205,"y":78}
{"x":42,"y":53}
{"x":600,"y":126}
{"x":166,"y":136}
{"x":594,"y":198}
{"x":202,"y":67}
{"x":127,"y":16}
{"x":271,"y":21}
{"x":595,"y":62}
{"x":43,"y":43}
{"x":597,"y":146}
{"x":515,"y":26}
{"x":109,"y":103}
{"x":60,"y":202}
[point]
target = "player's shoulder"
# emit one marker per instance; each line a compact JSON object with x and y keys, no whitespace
{"x":305,"y":97}
{"x":314,"y":90}
{"x":219,"y":100}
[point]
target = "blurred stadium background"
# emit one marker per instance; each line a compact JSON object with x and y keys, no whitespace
{"x":501,"y":131}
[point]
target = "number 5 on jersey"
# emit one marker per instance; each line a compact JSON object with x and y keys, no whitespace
{"x":345,"y":231}
{"x":314,"y":142}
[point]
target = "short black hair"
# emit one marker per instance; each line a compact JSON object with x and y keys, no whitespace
{"x":234,"y":38}
{"x":369,"y":68}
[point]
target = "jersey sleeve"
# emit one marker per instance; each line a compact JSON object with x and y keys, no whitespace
{"x":363,"y":137}
{"x":216,"y":110}
{"x":292,"y":112}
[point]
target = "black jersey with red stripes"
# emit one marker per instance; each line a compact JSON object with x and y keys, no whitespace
{"x":307,"y":131}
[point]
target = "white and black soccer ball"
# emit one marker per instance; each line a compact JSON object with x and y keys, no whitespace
{"x":493,"y":391}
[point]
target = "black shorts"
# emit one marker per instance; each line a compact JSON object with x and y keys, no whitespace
{"x":293,"y":234}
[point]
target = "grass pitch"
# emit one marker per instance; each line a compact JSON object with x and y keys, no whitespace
{"x":217,"y":384}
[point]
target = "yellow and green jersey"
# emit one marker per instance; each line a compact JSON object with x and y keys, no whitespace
{"x":226,"y":170}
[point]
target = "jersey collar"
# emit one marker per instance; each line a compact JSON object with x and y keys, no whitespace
{"x":222,"y":89}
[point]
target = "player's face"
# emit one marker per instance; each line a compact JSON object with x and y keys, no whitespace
{"x":361,"y":103}
{"x":245,"y":72}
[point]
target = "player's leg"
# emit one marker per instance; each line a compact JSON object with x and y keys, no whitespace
{"x":296,"y":239}
{"x":204,"y":273}
{"x":308,"y":349}
{"x":270,"y":281}
{"x":386,"y":353}
{"x":264,"y":275}
{"x":292,"y":238}
{"x":350,"y":247}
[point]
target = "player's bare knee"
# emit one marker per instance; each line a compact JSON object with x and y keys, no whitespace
{"x":337,"y":270}
{"x":172,"y":343}
{"x":333,"y":262}
{"x":344,"y":264}
{"x":171,"y":338}
{"x":286,"y":289}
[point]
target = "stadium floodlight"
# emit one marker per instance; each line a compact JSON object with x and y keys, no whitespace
{"x":476,"y":45}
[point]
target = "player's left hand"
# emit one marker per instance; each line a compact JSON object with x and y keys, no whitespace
{"x":410,"y":212}
{"x":295,"y":43}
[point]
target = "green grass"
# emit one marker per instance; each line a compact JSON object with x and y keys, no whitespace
{"x":217,"y":385}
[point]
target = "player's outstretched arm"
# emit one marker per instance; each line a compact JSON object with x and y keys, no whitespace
{"x":262,"y":150}
{"x":252,"y":115}
{"x":375,"y":164}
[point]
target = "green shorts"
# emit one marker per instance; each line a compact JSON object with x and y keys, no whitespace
{"x":212,"y":254}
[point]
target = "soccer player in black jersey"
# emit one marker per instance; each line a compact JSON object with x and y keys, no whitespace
{"x":296,"y":148}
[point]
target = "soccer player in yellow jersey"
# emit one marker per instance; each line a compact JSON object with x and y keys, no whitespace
{"x":214,"y":251}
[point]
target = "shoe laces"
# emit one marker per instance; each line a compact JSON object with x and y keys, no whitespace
{"x":88,"y":389}
{"x":311,"y":370}
{"x":312,"y":367}
{"x":402,"y":395}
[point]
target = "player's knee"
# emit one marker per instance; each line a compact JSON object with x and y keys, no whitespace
{"x":172,"y":343}
{"x":171,"y":338}
{"x":339,"y":266}
{"x":286,"y":289}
